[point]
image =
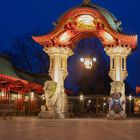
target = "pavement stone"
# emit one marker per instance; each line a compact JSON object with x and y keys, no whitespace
{"x":25,"y":128}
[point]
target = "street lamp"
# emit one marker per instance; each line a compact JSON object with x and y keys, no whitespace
{"x":89,"y":101}
{"x":32,"y":95}
{"x":130,"y":99}
{"x":82,"y":103}
{"x":88,"y":62}
{"x":104,"y":105}
{"x":81,"y":97}
{"x":42,"y":98}
{"x":31,"y":100}
{"x":2,"y":93}
{"x":19,"y":96}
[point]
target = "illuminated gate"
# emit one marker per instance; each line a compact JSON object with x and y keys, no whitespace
{"x":84,"y":21}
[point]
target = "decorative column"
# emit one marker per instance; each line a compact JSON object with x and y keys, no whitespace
{"x":56,"y":99}
{"x":118,"y":71}
{"x":118,"y":56}
{"x":58,"y":63}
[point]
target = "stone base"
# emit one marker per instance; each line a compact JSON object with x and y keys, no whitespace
{"x":114,"y":116}
{"x":52,"y":115}
{"x":46,"y":114}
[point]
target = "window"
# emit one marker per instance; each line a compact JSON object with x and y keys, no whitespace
{"x":123,"y":63}
{"x":113,"y":63}
{"x":52,"y":63}
{"x":61,"y":63}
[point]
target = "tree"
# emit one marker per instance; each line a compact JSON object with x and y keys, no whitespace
{"x":28,"y":55}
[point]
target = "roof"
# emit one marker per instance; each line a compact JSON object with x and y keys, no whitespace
{"x":18,"y":80}
{"x":36,"y":78}
{"x":69,"y":30}
{"x":18,"y":85}
{"x":6,"y":68}
{"x":112,"y":20}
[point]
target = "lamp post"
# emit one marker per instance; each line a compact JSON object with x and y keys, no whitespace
{"x":97,"y":106}
{"x":31,"y":99}
{"x":104,"y":105}
{"x":88,"y":62}
{"x":32,"y":96}
{"x":130,"y":100}
{"x":42,"y":99}
{"x":82,"y":103}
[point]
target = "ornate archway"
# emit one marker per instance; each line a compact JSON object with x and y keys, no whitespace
{"x":88,"y":20}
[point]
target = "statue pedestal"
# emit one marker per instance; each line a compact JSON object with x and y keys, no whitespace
{"x":46,"y":115}
{"x":53,"y":115}
{"x":113,"y":116}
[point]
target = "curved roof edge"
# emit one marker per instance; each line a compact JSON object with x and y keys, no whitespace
{"x":112,"y":20}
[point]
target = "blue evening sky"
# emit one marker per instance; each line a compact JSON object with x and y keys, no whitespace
{"x":18,"y":17}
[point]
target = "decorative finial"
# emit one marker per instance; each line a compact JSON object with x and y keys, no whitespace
{"x":87,"y":1}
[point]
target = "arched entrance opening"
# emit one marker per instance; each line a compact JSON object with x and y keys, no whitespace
{"x":85,"y":21}
{"x":88,"y":81}
{"x":92,"y":83}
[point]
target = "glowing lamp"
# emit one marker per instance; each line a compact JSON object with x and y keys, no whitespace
{"x":82,"y":60}
{"x":130,"y":97}
{"x":94,"y":59}
{"x":88,"y":62}
{"x":19,"y":96}
{"x":43,"y":97}
{"x":32,"y":94}
{"x":81,"y":97}
{"x":2,"y":93}
{"x":89,"y":101}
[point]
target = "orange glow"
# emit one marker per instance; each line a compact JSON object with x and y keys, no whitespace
{"x":85,"y":20}
{"x":138,"y":90}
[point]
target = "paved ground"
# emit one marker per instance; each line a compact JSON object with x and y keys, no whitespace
{"x":69,"y":129}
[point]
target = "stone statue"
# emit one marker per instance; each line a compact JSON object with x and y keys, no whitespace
{"x":119,"y":87}
{"x":116,"y":110}
{"x":56,"y":100}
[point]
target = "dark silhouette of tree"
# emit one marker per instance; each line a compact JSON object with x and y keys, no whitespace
{"x":28,"y":55}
